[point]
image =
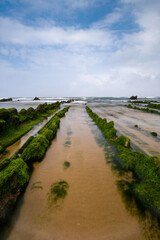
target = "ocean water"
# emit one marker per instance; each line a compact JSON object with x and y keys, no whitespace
{"x":26,"y":102}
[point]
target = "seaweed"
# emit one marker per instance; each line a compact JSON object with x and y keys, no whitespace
{"x":4,"y":163}
{"x":14,"y":172}
{"x":2,"y":125}
{"x":154,"y":134}
{"x":49,"y":134}
{"x":58,"y":190}
{"x":35,"y":151}
{"x":1,"y":149}
{"x":123,"y":141}
{"x":25,"y":144}
{"x":143,"y":109}
{"x":14,"y":175}
{"x":66,"y":164}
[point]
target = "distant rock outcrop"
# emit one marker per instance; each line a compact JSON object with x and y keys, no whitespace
{"x":133,"y":97}
{"x":5,"y":99}
{"x":68,"y":101}
{"x":36,"y":98}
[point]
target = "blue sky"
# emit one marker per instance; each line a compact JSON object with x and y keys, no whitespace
{"x":79,"y":47}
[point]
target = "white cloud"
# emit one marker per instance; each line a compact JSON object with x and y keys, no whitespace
{"x":93,"y":61}
{"x":109,"y":19}
{"x":14,"y":32}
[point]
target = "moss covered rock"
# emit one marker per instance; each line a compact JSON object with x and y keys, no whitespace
{"x":23,"y":118}
{"x":1,"y":149}
{"x":110,"y":124}
{"x":4,"y":114}
{"x":22,"y":111}
{"x":53,"y":127}
{"x":25,"y":144}
{"x":14,"y":120}
{"x":123,"y":141}
{"x":13,"y":110}
{"x":49,"y":135}
{"x":110,"y":134}
{"x":14,"y":176}
{"x":35,"y":151}
{"x":61,"y":113}
{"x":57,"y":121}
{"x":154,"y":134}
{"x":4,"y":163}
{"x":42,"y":108}
{"x":2,"y":125}
{"x":130,"y":159}
{"x":30,"y":110}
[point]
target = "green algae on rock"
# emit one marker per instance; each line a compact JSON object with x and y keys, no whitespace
{"x":13,"y":177}
{"x":66,"y":164}
{"x":13,"y":124}
{"x":14,"y":172}
{"x":145,"y":169}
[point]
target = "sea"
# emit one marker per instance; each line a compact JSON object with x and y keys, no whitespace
{"x":26,"y":102}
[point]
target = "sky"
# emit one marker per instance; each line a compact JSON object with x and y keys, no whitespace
{"x":103,"y":48}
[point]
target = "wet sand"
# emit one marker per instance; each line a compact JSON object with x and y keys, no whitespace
{"x":125,"y":119}
{"x":93,"y":208}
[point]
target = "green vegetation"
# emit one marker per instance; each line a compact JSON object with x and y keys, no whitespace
{"x":11,"y":135}
{"x":35,"y":151}
{"x":14,"y":172}
{"x":13,"y":178}
{"x":49,"y":135}
{"x":2,"y":125}
{"x":143,"y":109}
{"x":146,"y":169}
{"x":136,"y":125}
{"x":1,"y":149}
{"x":35,"y":148}
{"x":4,"y":163}
{"x":123,"y":141}
{"x":154,"y":105}
{"x":58,"y":191}
{"x":67,"y":164}
{"x":107,"y":128}
{"x":53,"y":123}
{"x":13,"y":124}
{"x":25,"y":144}
{"x":154,"y":134}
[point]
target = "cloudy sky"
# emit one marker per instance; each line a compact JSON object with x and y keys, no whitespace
{"x":79,"y":48}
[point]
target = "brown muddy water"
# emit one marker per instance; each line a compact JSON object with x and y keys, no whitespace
{"x":94,"y":208}
{"x":125,"y":120}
